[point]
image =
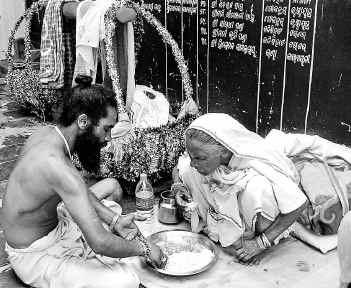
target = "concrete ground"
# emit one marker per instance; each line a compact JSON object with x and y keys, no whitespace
{"x":302,"y":266}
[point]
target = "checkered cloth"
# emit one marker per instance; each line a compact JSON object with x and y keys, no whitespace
{"x":69,"y":43}
{"x":52,"y":62}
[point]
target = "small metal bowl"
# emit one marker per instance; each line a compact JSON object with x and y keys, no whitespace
{"x":186,"y":240}
{"x":168,"y":212}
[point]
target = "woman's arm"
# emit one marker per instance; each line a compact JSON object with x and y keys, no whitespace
{"x":283,"y":222}
{"x":247,"y":249}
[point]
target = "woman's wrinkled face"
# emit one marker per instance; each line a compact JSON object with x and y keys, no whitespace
{"x":205,"y":158}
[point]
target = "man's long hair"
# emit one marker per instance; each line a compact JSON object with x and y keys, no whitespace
{"x":85,"y":98}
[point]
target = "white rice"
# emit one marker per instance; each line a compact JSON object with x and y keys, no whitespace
{"x":186,"y":261}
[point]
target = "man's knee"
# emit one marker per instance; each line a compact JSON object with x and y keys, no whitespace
{"x":115,"y":189}
{"x":109,"y":189}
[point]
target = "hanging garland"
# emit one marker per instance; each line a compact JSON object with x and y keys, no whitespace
{"x":22,"y":80}
{"x":152,"y":150}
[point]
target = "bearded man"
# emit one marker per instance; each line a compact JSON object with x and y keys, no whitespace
{"x":76,"y":243}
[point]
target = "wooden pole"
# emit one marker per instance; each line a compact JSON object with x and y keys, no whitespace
{"x":124,"y":15}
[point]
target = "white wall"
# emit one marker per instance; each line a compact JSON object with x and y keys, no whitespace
{"x":10,"y":10}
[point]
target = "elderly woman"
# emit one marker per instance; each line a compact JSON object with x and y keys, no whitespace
{"x":246,"y":191}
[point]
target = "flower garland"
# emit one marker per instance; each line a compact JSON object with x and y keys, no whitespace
{"x":110,"y":18}
{"x":22,"y":81}
{"x":153,"y":150}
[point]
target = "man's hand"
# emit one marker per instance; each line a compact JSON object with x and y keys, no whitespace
{"x":125,"y":226}
{"x":158,"y":258}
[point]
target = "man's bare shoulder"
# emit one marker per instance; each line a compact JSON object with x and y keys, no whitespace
{"x":42,"y":136}
{"x":40,"y":154}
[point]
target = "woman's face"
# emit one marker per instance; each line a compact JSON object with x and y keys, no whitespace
{"x":205,"y":158}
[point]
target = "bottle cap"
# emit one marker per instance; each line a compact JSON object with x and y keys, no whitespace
{"x":143,"y":175}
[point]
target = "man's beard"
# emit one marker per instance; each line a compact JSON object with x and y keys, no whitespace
{"x":88,"y":147}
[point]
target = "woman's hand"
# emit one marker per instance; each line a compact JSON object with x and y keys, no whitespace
{"x":181,"y":193}
{"x":247,"y":252}
{"x":247,"y":249}
{"x":183,"y":198}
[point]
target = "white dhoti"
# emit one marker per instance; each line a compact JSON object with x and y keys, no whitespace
{"x":62,"y":259}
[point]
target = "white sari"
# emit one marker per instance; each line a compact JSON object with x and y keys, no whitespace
{"x":258,"y":179}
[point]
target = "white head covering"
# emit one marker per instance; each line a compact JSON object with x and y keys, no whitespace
{"x":242,"y":142}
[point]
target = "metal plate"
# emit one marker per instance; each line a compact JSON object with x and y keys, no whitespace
{"x":184,"y":241}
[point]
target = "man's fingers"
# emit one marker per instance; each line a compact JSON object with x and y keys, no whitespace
{"x":163,"y":260}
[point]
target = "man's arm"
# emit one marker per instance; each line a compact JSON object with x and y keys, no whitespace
{"x":124,"y":225}
{"x":105,"y":213}
{"x":68,"y":183}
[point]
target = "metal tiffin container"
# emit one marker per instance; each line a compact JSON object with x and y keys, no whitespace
{"x":168,"y":212}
